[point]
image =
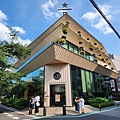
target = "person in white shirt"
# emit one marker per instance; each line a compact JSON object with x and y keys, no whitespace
{"x":37,"y":103}
{"x":82,"y":104}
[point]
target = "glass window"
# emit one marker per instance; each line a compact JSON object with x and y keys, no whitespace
{"x":71,"y":47}
{"x":65,"y":45}
{"x":76,"y":50}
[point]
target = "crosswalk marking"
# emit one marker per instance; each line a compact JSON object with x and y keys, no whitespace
{"x":11,"y":116}
{"x":16,"y":118}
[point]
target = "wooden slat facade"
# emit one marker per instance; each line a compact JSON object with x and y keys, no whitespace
{"x":56,"y":58}
{"x":64,"y":70}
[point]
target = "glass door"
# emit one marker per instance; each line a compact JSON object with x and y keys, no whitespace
{"x":57,"y":95}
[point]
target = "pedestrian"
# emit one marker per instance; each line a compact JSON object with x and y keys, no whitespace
{"x":76,"y":104}
{"x":79,"y":105}
{"x":82,"y":104}
{"x":37,"y":103}
{"x":30,"y":105}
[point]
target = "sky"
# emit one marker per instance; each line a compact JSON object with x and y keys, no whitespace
{"x":32,"y":17}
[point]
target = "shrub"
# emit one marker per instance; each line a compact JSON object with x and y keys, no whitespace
{"x":16,"y":103}
{"x":100,"y":102}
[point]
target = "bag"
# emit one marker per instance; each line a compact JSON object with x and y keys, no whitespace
{"x":37,"y":104}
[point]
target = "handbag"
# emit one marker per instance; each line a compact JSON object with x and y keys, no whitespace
{"x":37,"y":103}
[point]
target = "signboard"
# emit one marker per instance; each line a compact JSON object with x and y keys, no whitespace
{"x":57,"y":75}
{"x":57,"y":98}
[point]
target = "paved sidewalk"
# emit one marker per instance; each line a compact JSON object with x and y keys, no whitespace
{"x":58,"y":111}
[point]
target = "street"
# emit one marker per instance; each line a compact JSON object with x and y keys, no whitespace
{"x":112,"y":114}
{"x":9,"y":114}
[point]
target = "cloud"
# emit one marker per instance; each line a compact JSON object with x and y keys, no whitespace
{"x":2,"y":16}
{"x":24,"y":42}
{"x":97,"y":21}
{"x":21,"y":31}
{"x":47,"y":9}
{"x":4,"y":31}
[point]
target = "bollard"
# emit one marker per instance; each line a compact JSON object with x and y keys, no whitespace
{"x":44,"y":111}
{"x":64,"y":110}
{"x":100,"y":106}
{"x":118,"y":104}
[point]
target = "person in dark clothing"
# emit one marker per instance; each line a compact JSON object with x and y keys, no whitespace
{"x":76,"y":104}
{"x":30,"y":106}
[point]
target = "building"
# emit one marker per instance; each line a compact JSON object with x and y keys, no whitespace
{"x":116,"y":61}
{"x":69,"y":62}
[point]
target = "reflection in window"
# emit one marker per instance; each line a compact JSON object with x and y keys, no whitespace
{"x":35,"y":75}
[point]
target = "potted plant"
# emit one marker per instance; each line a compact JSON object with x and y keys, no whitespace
{"x":91,"y":48}
{"x":88,"y":38}
{"x":106,"y":58}
{"x":80,"y":41}
{"x":99,"y":54}
{"x":112,"y":68}
{"x":98,"y":48}
{"x":95,"y":43}
{"x":105,"y":65}
{"x":62,"y":40}
{"x":67,"y":24}
{"x":65,"y":30}
{"x":95,"y":59}
{"x":102,"y":59}
{"x":82,"y":52}
{"x":79,"y":33}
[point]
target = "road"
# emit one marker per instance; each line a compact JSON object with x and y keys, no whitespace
{"x":112,"y":114}
{"x":9,"y":114}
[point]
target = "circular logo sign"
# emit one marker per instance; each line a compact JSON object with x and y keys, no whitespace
{"x":57,"y":76}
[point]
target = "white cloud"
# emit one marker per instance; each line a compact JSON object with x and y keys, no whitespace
{"x":90,"y":16}
{"x":4,"y":31}
{"x":2,"y":16}
{"x":24,"y":42}
{"x":46,"y":8}
{"x":97,"y":21}
{"x":21,"y":31}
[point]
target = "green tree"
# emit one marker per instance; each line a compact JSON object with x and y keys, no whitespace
{"x":9,"y":52}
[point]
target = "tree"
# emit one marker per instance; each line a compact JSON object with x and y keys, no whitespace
{"x":9,"y":52}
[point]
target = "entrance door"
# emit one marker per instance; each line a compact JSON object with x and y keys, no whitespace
{"x":57,"y":95}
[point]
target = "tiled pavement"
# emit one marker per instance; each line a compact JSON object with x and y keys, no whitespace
{"x":58,"y":111}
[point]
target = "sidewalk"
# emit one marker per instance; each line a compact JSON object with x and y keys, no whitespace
{"x":58,"y":111}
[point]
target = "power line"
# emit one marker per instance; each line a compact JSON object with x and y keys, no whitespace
{"x":95,"y":5}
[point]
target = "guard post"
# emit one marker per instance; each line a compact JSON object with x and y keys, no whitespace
{"x":64,"y":109}
{"x":44,"y":111}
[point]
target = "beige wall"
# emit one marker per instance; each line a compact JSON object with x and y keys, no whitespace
{"x":64,"y":70}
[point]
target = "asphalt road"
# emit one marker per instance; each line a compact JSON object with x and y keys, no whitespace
{"x":9,"y":114}
{"x":113,"y":114}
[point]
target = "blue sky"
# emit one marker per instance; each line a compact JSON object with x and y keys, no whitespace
{"x":32,"y":17}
